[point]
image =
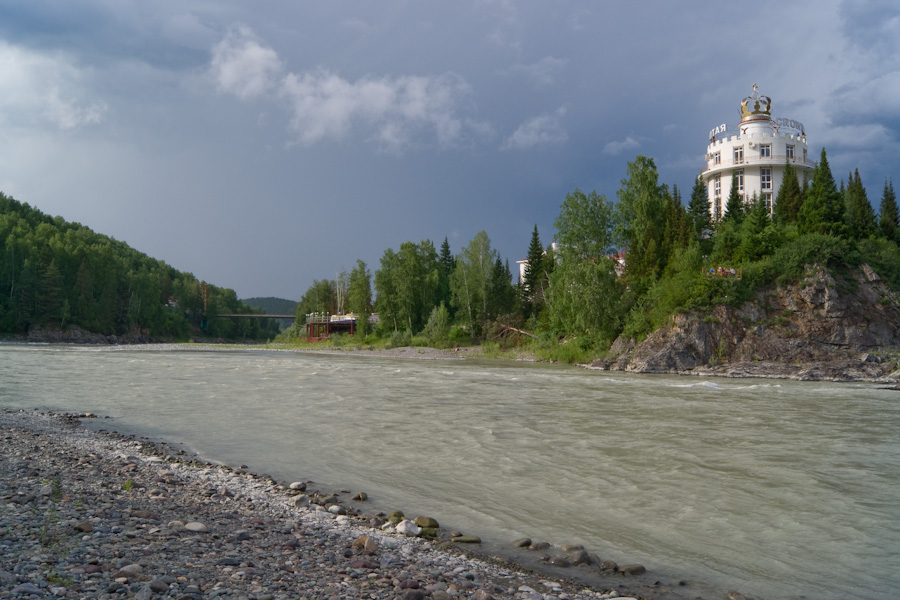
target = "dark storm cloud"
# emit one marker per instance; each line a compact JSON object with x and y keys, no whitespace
{"x":224,"y":137}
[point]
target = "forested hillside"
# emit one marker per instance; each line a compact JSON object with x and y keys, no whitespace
{"x":271,"y":305}
{"x":59,"y":275}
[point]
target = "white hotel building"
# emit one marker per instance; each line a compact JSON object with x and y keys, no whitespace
{"x":754,"y":157}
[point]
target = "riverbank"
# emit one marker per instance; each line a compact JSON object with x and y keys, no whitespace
{"x":99,"y":515}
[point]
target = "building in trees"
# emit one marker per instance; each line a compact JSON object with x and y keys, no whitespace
{"x":753,"y":155}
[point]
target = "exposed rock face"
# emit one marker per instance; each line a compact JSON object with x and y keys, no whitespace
{"x":821,"y":328}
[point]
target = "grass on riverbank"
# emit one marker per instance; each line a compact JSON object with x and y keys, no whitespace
{"x":545,"y":349}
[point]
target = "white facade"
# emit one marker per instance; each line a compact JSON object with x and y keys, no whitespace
{"x":755,"y":156}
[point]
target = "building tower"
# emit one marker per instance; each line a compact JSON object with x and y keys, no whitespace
{"x":755,"y":158}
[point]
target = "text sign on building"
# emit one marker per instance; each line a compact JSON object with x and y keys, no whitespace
{"x":716,"y":131}
{"x":790,"y":123}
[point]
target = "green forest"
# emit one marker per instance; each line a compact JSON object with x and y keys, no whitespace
{"x":57,"y":274}
{"x":613,"y":268}
{"x":620,"y":267}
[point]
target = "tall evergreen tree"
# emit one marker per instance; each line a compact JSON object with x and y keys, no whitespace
{"x":531,"y":289}
{"x":698,"y":209}
{"x":446,"y":262}
{"x":789,"y":197}
{"x":501,"y":295}
{"x":754,"y":241}
{"x":860,"y":216}
{"x":889,"y":219}
{"x":823,"y":209}
{"x":734,"y":208}
{"x":677,"y":232}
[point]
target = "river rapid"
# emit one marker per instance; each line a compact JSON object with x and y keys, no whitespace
{"x":778,"y":489}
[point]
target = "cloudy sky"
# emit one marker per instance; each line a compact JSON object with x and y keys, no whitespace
{"x":261,"y":145}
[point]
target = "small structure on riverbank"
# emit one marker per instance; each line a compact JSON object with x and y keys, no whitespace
{"x":320,"y":326}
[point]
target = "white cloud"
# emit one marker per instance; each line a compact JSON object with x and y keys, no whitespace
{"x":540,"y":130}
{"x":325,"y":105}
{"x":44,"y":89}
{"x":616,"y":148}
{"x":243,"y":66}
{"x":390,"y":110}
{"x":544,"y":71}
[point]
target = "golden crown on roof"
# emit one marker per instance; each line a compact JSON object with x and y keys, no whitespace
{"x":756,"y":104}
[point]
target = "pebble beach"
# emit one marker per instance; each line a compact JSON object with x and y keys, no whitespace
{"x":86,"y":514}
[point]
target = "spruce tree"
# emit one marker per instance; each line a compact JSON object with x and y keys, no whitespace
{"x":789,"y":197}
{"x":757,"y":216}
{"x":446,"y":262}
{"x":860,"y":216}
{"x":734,"y":208}
{"x":501,"y":294}
{"x":889,"y":219}
{"x":532,"y":295}
{"x":677,"y":232}
{"x":698,"y":209}
{"x":754,"y":241}
{"x":823,"y":209}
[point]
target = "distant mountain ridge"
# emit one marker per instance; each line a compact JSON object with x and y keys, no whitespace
{"x":272,"y":305}
{"x":63,"y":282}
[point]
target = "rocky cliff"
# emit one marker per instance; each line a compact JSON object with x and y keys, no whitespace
{"x":827,"y":328}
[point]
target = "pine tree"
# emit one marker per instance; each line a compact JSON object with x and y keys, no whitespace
{"x":789,"y":198}
{"x":860,"y":216}
{"x":823,"y":209}
{"x":889,"y":219}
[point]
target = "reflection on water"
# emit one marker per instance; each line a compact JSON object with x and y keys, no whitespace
{"x":779,"y":489}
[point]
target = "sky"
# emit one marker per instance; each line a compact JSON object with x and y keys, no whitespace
{"x":264,"y":145}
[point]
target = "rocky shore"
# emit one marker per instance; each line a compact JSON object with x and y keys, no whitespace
{"x":823,"y":328}
{"x":99,"y":515}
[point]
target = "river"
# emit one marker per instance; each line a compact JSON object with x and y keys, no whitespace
{"x":779,"y":489}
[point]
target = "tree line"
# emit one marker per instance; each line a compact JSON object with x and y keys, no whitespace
{"x":59,"y":274}
{"x":623,"y":267}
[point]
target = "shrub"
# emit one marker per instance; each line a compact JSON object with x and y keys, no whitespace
{"x":459,"y":335}
{"x":400,"y":339}
{"x":339,"y":339}
{"x":790,"y":261}
{"x":437,"y":329}
{"x":576,"y":350}
{"x":884,"y":257}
